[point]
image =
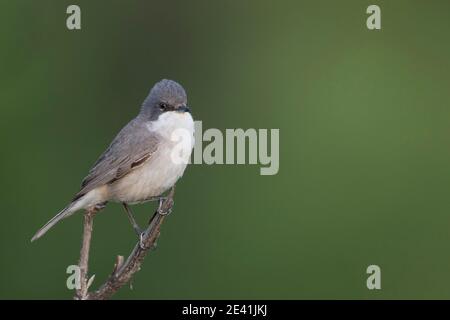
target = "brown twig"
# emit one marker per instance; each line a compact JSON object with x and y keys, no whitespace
{"x":81,"y":293}
{"x":124,"y":271}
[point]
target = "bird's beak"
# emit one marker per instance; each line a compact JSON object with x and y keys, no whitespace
{"x":183,"y":109}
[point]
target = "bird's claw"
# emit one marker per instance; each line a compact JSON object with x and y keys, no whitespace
{"x":142,"y":244}
{"x":141,"y":241}
{"x":164,"y":213}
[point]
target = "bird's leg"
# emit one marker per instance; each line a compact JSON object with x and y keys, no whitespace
{"x":133,"y":222}
{"x":160,"y":200}
{"x":136,"y":227}
{"x":160,"y":208}
{"x":163,"y":209}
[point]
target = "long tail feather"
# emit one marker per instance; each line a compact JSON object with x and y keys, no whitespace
{"x":64,"y":213}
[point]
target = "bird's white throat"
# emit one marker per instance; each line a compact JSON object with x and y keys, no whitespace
{"x":170,"y":122}
{"x":177,"y":129}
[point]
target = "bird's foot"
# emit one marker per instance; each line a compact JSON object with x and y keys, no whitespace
{"x":140,"y":233}
{"x":142,"y":244}
{"x":164,"y":210}
{"x":141,"y":241}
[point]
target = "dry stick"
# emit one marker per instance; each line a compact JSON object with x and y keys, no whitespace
{"x":123,"y":272}
{"x":81,"y":293}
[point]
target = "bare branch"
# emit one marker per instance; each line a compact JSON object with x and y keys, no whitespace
{"x":123,"y":271}
{"x":81,"y":294}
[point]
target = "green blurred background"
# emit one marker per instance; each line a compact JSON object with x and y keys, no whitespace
{"x":364,"y":145}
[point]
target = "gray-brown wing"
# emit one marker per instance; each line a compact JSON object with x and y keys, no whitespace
{"x":133,"y":146}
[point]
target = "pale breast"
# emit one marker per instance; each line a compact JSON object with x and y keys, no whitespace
{"x":164,"y":167}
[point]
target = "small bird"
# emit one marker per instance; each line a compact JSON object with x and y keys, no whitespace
{"x":143,"y":161}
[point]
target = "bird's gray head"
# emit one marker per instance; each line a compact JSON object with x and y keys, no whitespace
{"x":165,"y":96}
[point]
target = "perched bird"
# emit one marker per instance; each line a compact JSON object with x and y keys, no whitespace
{"x":144,"y":160}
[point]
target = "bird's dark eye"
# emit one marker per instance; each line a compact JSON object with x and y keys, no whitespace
{"x":163,"y":106}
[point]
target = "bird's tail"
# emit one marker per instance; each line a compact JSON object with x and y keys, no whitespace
{"x":64,"y":213}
